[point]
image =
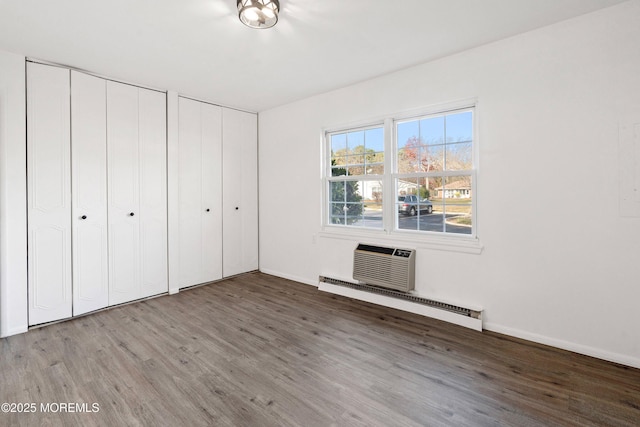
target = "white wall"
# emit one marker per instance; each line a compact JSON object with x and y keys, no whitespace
{"x":560,"y":265}
{"x":13,"y":199}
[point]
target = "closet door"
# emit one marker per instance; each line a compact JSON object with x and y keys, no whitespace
{"x":189,"y":193}
{"x":200,"y":193}
{"x":211,"y":207}
{"x":49,"y":193}
{"x":153,"y":192}
{"x":123,"y":194}
{"x":89,"y":192}
{"x":240,"y":196}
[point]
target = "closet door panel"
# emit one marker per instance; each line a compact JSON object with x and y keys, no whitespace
{"x":49,"y":193}
{"x":211,"y":211}
{"x":89,"y":190}
{"x":123,"y":194}
{"x":200,"y":192}
{"x":240,"y":201}
{"x":190,"y":192}
{"x":153,"y":192}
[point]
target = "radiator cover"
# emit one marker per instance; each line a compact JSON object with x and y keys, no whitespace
{"x":391,"y":268}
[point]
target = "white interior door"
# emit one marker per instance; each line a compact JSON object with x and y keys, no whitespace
{"x":89,"y":192}
{"x":240,"y":196}
{"x":153,"y":192}
{"x":200,"y":192}
{"x":49,"y":193}
{"x":123,"y":192}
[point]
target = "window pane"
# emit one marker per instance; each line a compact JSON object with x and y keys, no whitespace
{"x":372,"y":192}
{"x":353,"y":191}
{"x":375,"y":169}
{"x":434,"y":221}
{"x":338,"y":165}
{"x":336,"y":214}
{"x":345,"y":213}
{"x":374,"y":161}
{"x":432,"y":130}
{"x":432,"y":158}
{"x":406,"y":186}
{"x":408,"y":160}
{"x":431,"y":214}
{"x":338,"y":144}
{"x":458,"y":219}
{"x":460,"y":127}
{"x":408,"y":132}
{"x":355,"y":139}
{"x":338,"y":154}
{"x":338,"y":171}
{"x":374,"y":139}
{"x":372,"y":197}
{"x":356,"y":162}
{"x":406,"y":189}
{"x":336,"y":191}
{"x":414,"y":206}
{"x":457,"y":204}
{"x":457,"y":187}
{"x":374,"y":157}
{"x":356,"y":203}
{"x":372,"y":215}
{"x":459,"y":156}
{"x":434,"y":186}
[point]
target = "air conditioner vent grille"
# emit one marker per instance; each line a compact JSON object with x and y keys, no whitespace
{"x":383,"y":266}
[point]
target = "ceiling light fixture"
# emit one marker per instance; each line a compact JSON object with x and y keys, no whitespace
{"x":258,"y":13}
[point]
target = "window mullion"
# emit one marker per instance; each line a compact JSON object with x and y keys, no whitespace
{"x":388,"y":190}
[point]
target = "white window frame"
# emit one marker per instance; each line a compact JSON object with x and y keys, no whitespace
{"x":328,"y":178}
{"x":444,"y":174}
{"x":390,"y":234}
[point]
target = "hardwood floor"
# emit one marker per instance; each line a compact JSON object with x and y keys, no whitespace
{"x":257,"y":350}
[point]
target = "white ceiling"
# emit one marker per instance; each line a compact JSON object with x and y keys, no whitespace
{"x":199,"y":47}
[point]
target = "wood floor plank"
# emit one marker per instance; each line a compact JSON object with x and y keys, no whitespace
{"x":257,"y":350}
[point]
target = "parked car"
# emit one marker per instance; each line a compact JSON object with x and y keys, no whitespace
{"x":411,"y":205}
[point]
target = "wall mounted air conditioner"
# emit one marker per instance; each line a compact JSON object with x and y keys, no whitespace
{"x":391,"y":268}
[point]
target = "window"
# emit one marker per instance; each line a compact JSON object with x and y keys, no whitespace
{"x":434,"y":172}
{"x":405,"y":175}
{"x":357,"y":172}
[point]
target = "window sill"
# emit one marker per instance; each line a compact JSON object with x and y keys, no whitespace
{"x":462,"y":244}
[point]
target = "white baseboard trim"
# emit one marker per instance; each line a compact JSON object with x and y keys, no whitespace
{"x":566,"y":345}
{"x":15,"y":331}
{"x":290,"y":277}
{"x":173,"y":291}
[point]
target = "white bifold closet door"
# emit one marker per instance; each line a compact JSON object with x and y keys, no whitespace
{"x":49,"y":193}
{"x":89,"y":192}
{"x":137,"y":205}
{"x":240,"y":200}
{"x":200,"y":193}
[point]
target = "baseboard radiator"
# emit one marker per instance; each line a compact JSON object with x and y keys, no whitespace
{"x":463,"y":316}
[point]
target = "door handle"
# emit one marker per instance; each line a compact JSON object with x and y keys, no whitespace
{"x":83,"y":217}
{"x":131,"y":214}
